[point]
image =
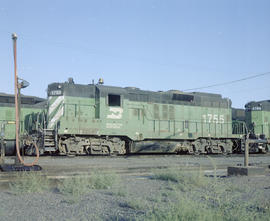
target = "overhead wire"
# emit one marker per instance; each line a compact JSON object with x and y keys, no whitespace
{"x":228,"y":82}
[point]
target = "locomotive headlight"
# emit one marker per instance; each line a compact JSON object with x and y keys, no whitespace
{"x":59,"y":86}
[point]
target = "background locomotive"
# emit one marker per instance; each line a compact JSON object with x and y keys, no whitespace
{"x":98,"y":119}
{"x":31,"y":110}
{"x":258,"y":122}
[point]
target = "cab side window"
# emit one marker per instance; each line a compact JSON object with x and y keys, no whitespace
{"x":114,"y":100}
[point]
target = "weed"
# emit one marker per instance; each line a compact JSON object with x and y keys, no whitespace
{"x":29,"y":182}
{"x":184,"y":180}
{"x":200,"y":199}
{"x":135,"y":203}
{"x":103,"y":180}
{"x":74,"y":187}
{"x":183,"y":209}
{"x":167,"y":175}
{"x":120,"y":191}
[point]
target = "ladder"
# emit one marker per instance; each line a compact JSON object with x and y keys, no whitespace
{"x":49,"y":140}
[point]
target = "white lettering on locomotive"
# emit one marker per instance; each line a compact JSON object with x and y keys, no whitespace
{"x":115,"y":113}
{"x":113,"y":125}
{"x":213,"y":118}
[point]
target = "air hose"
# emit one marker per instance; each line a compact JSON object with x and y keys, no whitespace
{"x":20,"y":157}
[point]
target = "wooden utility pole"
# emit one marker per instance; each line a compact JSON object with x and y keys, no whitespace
{"x":17,"y":116}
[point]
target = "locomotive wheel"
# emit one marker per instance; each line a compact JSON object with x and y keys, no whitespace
{"x":195,"y":151}
{"x":223,"y":151}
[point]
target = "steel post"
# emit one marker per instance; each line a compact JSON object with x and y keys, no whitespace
{"x":3,"y":147}
{"x":246,"y":152}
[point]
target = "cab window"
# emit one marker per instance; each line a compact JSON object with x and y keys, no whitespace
{"x":114,"y":100}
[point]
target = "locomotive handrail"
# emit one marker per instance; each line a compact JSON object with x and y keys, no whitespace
{"x":87,"y":105}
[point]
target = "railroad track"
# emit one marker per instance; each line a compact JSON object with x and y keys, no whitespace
{"x":61,"y":167}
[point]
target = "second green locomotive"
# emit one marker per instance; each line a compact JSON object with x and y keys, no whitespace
{"x":258,"y":123}
{"x":31,"y":112}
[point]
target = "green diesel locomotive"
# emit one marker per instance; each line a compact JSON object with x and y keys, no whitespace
{"x":98,"y":119}
{"x":102,"y":120}
{"x":31,"y":109}
{"x":258,"y":122}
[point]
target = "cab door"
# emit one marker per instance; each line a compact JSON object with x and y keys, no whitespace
{"x":115,"y":113}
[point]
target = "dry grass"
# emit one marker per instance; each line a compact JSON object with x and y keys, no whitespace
{"x":29,"y":182}
{"x":135,"y":204}
{"x":184,"y":180}
{"x":191,"y":196}
{"x":102,"y":180}
{"x":73,"y":188}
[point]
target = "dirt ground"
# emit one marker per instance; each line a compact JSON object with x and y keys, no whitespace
{"x":144,"y":188}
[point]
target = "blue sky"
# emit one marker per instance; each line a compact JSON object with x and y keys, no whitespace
{"x":150,"y":44}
